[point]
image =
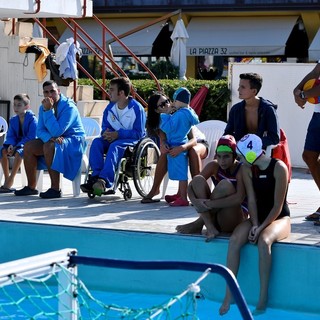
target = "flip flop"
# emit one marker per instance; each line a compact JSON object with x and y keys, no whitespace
{"x":149,"y":200}
{"x":313,"y":217}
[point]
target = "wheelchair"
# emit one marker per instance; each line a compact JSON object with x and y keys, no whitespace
{"x":139,"y":164}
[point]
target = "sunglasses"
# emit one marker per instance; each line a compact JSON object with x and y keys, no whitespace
{"x":163,"y":104}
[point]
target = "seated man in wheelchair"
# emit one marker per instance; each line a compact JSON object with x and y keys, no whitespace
{"x":123,"y":125}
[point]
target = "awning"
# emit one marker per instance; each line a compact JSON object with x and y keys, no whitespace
{"x":314,"y":49}
{"x":239,"y":36}
{"x":140,"y":42}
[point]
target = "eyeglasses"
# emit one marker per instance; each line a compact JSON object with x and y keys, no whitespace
{"x":163,"y":103}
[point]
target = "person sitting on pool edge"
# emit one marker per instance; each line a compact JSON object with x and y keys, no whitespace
{"x":266,"y":184}
{"x":224,"y":208}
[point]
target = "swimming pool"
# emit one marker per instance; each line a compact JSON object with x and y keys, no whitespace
{"x":292,"y":285}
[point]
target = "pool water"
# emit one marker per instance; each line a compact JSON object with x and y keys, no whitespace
{"x":206,"y":309}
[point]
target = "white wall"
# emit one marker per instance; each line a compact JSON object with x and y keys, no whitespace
{"x":279,"y":80}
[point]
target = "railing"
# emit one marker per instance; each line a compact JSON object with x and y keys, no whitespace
{"x":102,"y":53}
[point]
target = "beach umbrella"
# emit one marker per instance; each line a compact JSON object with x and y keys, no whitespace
{"x":197,"y":101}
{"x":178,"y":52}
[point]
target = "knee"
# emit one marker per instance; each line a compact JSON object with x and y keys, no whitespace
{"x":223,"y":189}
{"x":197,"y":180}
{"x":264,"y":244}
{"x":48,"y":147}
{"x":234,"y":243}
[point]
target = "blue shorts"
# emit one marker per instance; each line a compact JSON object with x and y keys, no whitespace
{"x":178,"y":166}
{"x":312,"y":142}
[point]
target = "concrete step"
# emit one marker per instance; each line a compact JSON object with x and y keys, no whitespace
{"x":83,"y":92}
{"x":92,"y":108}
{"x":21,"y":29}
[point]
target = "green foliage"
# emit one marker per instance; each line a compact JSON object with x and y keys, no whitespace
{"x":165,"y":70}
{"x":214,"y":107}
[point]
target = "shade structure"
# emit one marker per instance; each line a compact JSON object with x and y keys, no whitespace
{"x":314,"y":49}
{"x":239,"y":36}
{"x":178,"y":53}
{"x":139,"y":42}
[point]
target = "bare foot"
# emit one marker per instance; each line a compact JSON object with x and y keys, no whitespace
{"x":151,"y":194}
{"x":260,"y":308}
{"x":258,"y":312}
{"x":224,"y":308}
{"x":9,"y":183}
{"x":194,"y":227}
{"x":211,"y":235}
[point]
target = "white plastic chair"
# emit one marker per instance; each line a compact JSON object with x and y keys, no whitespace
{"x":213,"y":130}
{"x":92,"y":130}
{"x":3,"y":126}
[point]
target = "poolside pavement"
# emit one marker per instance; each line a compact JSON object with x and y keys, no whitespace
{"x":113,"y":212}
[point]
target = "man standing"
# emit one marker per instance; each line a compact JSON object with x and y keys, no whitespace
{"x":60,"y":142}
{"x":311,"y":150}
{"x":123,"y":125}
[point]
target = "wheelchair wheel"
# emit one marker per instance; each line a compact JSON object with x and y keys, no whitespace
{"x":127,"y":194}
{"x":146,"y":157}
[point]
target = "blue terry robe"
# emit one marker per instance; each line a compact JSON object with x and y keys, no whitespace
{"x":66,"y":123}
{"x":176,"y":126}
{"x":14,"y":137}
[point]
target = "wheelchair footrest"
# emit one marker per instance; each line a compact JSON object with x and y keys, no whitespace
{"x":110,"y":191}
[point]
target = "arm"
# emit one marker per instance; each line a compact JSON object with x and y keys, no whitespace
{"x":271,"y":132}
{"x":186,"y":146}
{"x":51,"y":126}
{"x":211,"y":169}
{"x":230,"y":127}
{"x":29,"y":130}
{"x":236,"y":125}
{"x":13,"y":128}
{"x":164,"y":148}
{"x":314,"y":92}
{"x":233,"y":199}
{"x":251,"y":197}
{"x":281,"y":186}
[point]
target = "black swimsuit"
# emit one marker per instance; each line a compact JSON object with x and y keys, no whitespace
{"x":264,"y":184}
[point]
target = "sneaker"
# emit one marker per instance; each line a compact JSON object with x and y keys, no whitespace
{"x":50,"y":194}
{"x":26,"y":191}
{"x":99,"y":186}
{"x":171,"y":198}
{"x":88,"y":187}
{"x":179,"y":203}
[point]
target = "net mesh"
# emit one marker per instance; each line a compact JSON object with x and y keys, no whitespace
{"x":49,"y":297}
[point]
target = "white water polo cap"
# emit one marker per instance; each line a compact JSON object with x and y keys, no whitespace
{"x":250,"y":147}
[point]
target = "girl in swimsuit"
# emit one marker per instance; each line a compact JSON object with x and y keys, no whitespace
{"x":266,"y":184}
{"x":220,"y":210}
